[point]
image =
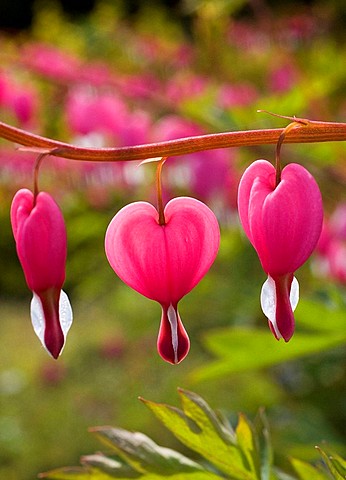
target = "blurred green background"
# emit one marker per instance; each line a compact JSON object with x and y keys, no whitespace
{"x":120,"y":76}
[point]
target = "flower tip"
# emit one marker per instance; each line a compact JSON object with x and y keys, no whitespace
{"x":51,"y":320}
{"x":173,"y":343}
{"x":279,"y":299}
{"x":54,"y":344}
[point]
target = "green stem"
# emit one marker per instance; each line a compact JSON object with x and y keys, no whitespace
{"x":313,"y":132}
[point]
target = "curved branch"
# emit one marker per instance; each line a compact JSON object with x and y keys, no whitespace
{"x":312,"y":132}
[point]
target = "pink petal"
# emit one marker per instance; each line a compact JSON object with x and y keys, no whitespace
{"x":40,"y":235}
{"x":163,"y":263}
{"x":283,"y":223}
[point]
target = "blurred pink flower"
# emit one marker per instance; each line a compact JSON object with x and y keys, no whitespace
{"x":51,"y":62}
{"x":208,"y":174}
{"x":282,"y":78}
{"x":331,"y":248}
{"x":239,"y":95}
{"x":87,"y":111}
{"x":184,"y":87}
{"x":106,"y":113}
{"x":20,"y":100}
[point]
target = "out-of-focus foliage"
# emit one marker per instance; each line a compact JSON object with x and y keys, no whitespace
{"x":112,"y":80}
{"x":245,"y":453}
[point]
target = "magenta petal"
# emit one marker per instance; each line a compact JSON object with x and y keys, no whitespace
{"x":282,"y":222}
{"x":40,"y":234}
{"x":173,"y":343}
{"x":163,"y":263}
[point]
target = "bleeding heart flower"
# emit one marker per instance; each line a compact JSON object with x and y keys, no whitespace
{"x":283,"y":222}
{"x":40,"y":235}
{"x":164,"y":262}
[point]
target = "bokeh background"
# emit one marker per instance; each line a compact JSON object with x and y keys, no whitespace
{"x":120,"y":73}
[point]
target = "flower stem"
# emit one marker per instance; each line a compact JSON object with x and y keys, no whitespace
{"x":315,"y":131}
{"x":296,"y":123}
{"x":36,"y":172}
{"x":160,"y":206}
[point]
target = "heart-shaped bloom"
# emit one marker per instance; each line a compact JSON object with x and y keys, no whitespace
{"x":164,"y":262}
{"x":283,"y":222}
{"x":40,"y":234}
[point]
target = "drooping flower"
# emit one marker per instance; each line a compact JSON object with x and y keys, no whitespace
{"x":40,"y":235}
{"x":164,"y":262}
{"x":283,"y":222}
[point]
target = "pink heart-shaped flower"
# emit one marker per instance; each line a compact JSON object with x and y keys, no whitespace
{"x":40,"y":234}
{"x":164,"y":262}
{"x":283,"y":222}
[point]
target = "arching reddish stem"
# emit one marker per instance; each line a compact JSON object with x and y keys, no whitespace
{"x":315,"y":131}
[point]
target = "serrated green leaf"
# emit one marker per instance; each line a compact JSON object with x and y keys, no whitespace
{"x":197,"y":408}
{"x":232,"y":347}
{"x":247,"y":444}
{"x":196,"y":428}
{"x":336,"y":468}
{"x":307,"y":471}
{"x":143,"y":454}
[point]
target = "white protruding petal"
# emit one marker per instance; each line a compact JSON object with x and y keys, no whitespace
{"x":37,"y":317}
{"x":65,"y":313}
{"x":172,"y":318}
{"x":268,"y":300}
{"x":38,"y":320}
{"x":294,"y":294}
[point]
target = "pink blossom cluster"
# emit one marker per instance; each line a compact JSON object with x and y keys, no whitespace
{"x":164,"y":253}
{"x":331,"y":249}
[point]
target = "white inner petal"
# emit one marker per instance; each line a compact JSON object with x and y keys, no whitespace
{"x":172,"y":318}
{"x":37,"y":317}
{"x":65,"y":313}
{"x":38,"y":320}
{"x":294,"y":293}
{"x":268,"y":300}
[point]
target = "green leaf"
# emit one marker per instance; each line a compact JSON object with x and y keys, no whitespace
{"x":335,"y":464}
{"x":143,"y":454}
{"x":76,"y":473}
{"x":198,"y":428}
{"x":320,"y":317}
{"x":241,"y":349}
{"x":247,"y":443}
{"x":307,"y":471}
{"x":264,"y":445}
